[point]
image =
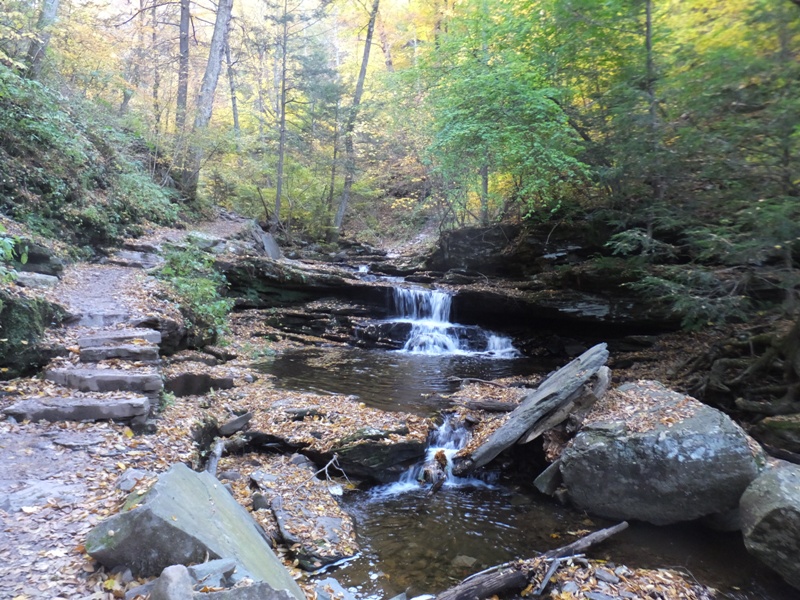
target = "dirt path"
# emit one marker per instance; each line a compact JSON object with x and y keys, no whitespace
{"x":59,"y":479}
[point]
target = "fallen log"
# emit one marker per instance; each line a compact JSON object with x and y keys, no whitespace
{"x":516,"y":575}
{"x":558,"y":389}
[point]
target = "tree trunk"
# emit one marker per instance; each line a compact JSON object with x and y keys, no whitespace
{"x":156,"y":72}
{"x":385,"y":46}
{"x":349,"y":148}
{"x":205,"y":99}
{"x":485,"y":194}
{"x":183,"y":69}
{"x":39,"y":43}
{"x":281,"y":108}
{"x":232,"y":85}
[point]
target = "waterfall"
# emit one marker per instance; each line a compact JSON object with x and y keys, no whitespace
{"x":432,"y":333}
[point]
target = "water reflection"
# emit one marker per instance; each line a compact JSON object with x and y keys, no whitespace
{"x":386,"y":380}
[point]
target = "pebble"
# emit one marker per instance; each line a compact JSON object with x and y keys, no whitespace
{"x":606,"y":575}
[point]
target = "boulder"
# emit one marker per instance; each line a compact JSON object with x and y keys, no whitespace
{"x":185,"y":518}
{"x":36,"y":281}
{"x":40,"y":259}
{"x":655,"y":455}
{"x":770,"y":513}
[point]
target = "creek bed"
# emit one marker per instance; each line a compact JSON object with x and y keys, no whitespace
{"x":419,"y":543}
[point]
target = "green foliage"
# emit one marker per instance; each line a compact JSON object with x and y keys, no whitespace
{"x":68,"y":171}
{"x":700,"y":297}
{"x":198,"y":287}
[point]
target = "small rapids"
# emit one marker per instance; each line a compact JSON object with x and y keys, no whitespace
{"x":435,"y":471}
{"x":432,"y":333}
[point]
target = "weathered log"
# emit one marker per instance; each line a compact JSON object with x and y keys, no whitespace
{"x":556,"y":390}
{"x":578,"y":404}
{"x":582,"y":544}
{"x":515,"y":576}
{"x":509,"y":577}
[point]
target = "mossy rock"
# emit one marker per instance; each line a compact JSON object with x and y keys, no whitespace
{"x":782,"y":432}
{"x":22,"y":323}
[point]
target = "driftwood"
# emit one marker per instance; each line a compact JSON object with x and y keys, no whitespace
{"x":560,"y":388}
{"x":516,"y":575}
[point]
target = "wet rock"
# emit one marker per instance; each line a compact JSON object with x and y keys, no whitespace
{"x":79,"y":408}
{"x":106,"y":380}
{"x":770,"y":510}
{"x":673,"y":460}
{"x":185,"y":518}
{"x":550,"y":479}
{"x":330,"y":589}
{"x":196,"y":384}
{"x":383,"y":462}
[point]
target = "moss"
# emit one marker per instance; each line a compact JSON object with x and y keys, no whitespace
{"x":22,"y":324}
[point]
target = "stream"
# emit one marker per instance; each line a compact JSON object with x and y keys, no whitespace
{"x":415,"y":542}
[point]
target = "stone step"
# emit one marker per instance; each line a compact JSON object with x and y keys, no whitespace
{"x":132,"y":352}
{"x":116,"y":337}
{"x":135,"y":259}
{"x":84,"y":408}
{"x":91,"y":379}
{"x":98,"y":319}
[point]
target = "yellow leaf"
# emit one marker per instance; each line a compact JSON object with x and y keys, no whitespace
{"x":121,"y":466}
{"x":128,"y":432}
{"x":24,"y":342}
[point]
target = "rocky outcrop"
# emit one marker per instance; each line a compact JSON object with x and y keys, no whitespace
{"x":770,"y":513}
{"x":22,"y":325}
{"x":40,"y":259}
{"x":186,"y":518}
{"x":655,"y":455}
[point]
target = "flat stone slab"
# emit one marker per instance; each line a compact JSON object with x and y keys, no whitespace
{"x":135,"y":259}
{"x":133,"y":352}
{"x":106,"y":380}
{"x":78,"y":409}
{"x":37,"y":281}
{"x":114,"y":337}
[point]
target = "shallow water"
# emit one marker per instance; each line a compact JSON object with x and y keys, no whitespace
{"x":414,"y":542}
{"x":386,"y":380}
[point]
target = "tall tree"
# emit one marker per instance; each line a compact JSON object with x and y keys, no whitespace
{"x":39,"y":43}
{"x":205,"y":98}
{"x":350,"y":125}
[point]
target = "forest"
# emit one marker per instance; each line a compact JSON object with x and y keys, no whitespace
{"x":204,"y":201}
{"x":673,"y":123}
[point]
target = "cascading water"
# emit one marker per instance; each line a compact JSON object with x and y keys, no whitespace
{"x":428,"y":312}
{"x":443,"y":445}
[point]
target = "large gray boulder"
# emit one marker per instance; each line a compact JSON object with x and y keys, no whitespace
{"x":770,"y":512}
{"x":186,"y":518}
{"x":651,"y":454}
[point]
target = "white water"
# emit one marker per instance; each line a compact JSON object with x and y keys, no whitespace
{"x":448,"y":439}
{"x":432,"y":333}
